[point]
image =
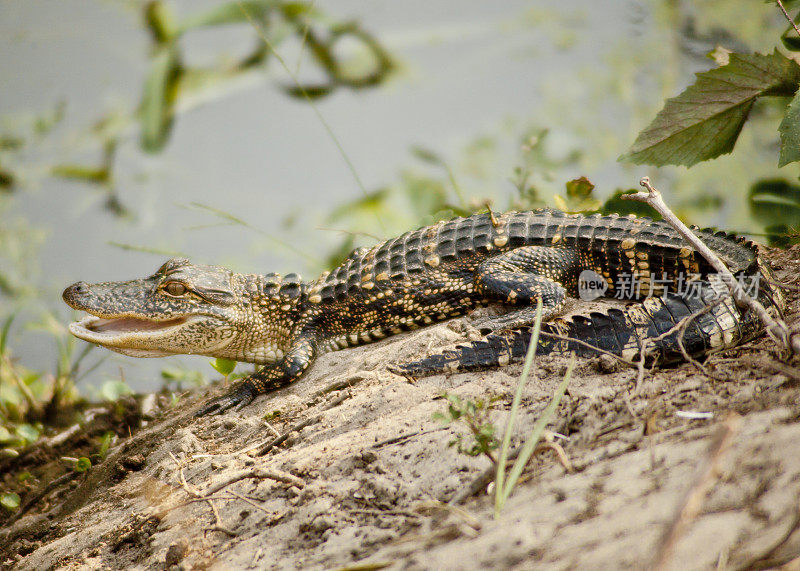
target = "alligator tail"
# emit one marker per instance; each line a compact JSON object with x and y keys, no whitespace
{"x":710,"y":323}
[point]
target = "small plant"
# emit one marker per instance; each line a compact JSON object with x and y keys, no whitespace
{"x":10,"y":501}
{"x":105,"y":444}
{"x":224,"y":367}
{"x":81,"y":464}
{"x":475,"y":415}
{"x":483,"y":440}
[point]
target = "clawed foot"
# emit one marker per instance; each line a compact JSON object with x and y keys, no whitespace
{"x":515,"y":319}
{"x":401,"y":369}
{"x":497,"y":323}
{"x":238,"y":397}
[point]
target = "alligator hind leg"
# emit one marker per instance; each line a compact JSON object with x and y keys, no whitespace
{"x":523,"y":277}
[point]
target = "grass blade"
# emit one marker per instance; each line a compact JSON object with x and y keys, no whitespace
{"x":530,"y":444}
{"x":499,"y":483}
{"x":4,"y":332}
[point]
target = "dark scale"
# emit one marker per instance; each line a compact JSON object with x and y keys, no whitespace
{"x":435,"y":273}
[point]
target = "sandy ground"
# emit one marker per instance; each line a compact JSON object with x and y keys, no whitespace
{"x":365,"y":484}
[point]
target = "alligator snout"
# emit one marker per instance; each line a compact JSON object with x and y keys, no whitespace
{"x":73,"y":292}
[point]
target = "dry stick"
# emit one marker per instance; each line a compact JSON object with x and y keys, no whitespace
{"x":207,"y":498}
{"x":252,"y":503}
{"x":256,"y":473}
{"x":792,"y":373}
{"x":766,"y":556}
{"x":690,"y":504}
{"x":218,"y":521}
{"x":777,"y":329}
{"x":782,"y":285}
{"x":264,"y":447}
{"x":404,"y":437}
{"x":785,"y":13}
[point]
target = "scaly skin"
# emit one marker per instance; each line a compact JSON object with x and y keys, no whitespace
{"x":429,"y":275}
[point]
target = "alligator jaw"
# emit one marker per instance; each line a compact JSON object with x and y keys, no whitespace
{"x":119,"y":333}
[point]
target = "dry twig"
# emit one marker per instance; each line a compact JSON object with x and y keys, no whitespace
{"x":766,"y":560}
{"x":777,"y":329}
{"x":692,"y":501}
{"x":785,"y":13}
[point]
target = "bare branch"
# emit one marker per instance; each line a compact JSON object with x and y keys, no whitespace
{"x":777,"y":329}
{"x":693,"y":500}
{"x":785,"y":13}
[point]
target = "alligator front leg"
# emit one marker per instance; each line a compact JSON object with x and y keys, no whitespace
{"x":267,"y":379}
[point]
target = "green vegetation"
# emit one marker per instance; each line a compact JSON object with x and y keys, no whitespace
{"x":474,"y":413}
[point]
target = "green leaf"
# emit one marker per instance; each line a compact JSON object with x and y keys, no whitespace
{"x":113,"y":390}
{"x":617,"y":205}
{"x":790,"y":133}
{"x":705,"y":120}
{"x":580,"y":188}
{"x":11,"y":142}
{"x":105,"y":443}
{"x":775,"y":202}
{"x":4,"y":332}
{"x":159,"y":94}
{"x":578,"y":198}
{"x":312,"y":92}
{"x":367,"y":204}
{"x":224,"y":366}
{"x":82,"y":464}
{"x":160,"y":20}
{"x":10,"y":501}
{"x":82,"y":173}
{"x":425,"y":194}
{"x":6,"y":180}
{"x":789,"y":38}
{"x":28,"y":433}
{"x":427,"y":155}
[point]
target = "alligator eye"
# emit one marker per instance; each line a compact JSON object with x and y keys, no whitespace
{"x":176,"y":289}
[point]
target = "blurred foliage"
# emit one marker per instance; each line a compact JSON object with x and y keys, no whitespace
{"x":170,"y":81}
{"x":776,"y":204}
{"x":169,"y":87}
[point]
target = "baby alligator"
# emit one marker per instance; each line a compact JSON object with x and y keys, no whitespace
{"x":432,"y":274}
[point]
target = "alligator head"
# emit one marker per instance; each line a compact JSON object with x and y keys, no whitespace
{"x":185,"y":309}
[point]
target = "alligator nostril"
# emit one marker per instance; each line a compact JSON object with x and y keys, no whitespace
{"x":75,"y":289}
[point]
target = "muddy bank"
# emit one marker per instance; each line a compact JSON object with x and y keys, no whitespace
{"x":355,"y":471}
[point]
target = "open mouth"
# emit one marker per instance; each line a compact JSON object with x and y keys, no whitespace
{"x":108,"y":330}
{"x":128,"y":324}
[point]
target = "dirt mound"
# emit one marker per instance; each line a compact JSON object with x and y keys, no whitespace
{"x":355,"y":472}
